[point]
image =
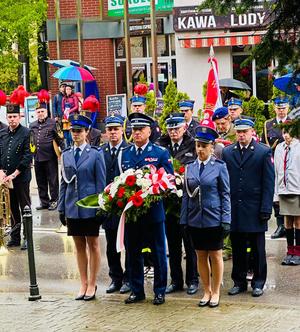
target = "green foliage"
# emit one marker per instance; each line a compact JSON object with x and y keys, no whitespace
{"x":150,"y":103}
{"x":255,"y":108}
{"x":286,"y":19}
{"x":142,"y":79}
{"x":292,"y":127}
{"x":271,"y":108}
{"x":171,"y":99}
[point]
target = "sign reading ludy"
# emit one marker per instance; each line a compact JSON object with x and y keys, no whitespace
{"x":116,"y":7}
{"x":190,"y":19}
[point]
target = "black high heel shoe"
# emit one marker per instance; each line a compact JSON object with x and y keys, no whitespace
{"x":90,"y":297}
{"x":80,"y":297}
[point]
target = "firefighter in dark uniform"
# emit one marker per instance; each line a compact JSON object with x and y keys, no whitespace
{"x":138,"y":105}
{"x":111,"y":149}
{"x":252,"y":180}
{"x":44,"y":133}
{"x":181,"y":146}
{"x":272,"y":136}
{"x":15,"y":161}
{"x":143,"y":153}
{"x":187,"y":107}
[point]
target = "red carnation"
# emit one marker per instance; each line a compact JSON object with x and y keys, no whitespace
{"x":121,"y":192}
{"x":120,"y":204}
{"x":110,"y":197}
{"x":130,"y":180}
{"x":137,"y":200}
{"x":181,"y":169}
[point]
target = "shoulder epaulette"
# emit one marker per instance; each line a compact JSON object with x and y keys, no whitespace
{"x":220,"y":161}
{"x":67,"y":149}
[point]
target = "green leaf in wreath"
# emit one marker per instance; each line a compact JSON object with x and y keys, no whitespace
{"x":89,"y":202}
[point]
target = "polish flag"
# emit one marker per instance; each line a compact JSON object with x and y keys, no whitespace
{"x":213,"y":98}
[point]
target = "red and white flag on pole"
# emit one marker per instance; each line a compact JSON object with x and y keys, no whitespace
{"x":213,"y":98}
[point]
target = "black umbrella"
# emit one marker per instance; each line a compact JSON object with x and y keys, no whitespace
{"x":231,"y":83}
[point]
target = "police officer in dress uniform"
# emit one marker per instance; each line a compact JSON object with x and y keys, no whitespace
{"x":114,"y":130}
{"x":187,"y":107}
{"x":15,"y":161}
{"x":235,"y":108}
{"x":252,"y":180}
{"x":272,"y":136}
{"x":181,"y":146}
{"x":142,"y":153}
{"x":44,"y":132}
{"x":138,"y":105}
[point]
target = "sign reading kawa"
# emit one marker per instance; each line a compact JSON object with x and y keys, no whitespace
{"x":116,"y":7}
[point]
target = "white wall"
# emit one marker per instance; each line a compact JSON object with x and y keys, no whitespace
{"x":182,"y":3}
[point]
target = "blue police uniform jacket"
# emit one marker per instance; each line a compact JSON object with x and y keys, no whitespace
{"x":81,"y":180}
{"x":252,"y":181}
{"x":206,"y":198}
{"x":151,"y":155}
{"x":112,"y":170}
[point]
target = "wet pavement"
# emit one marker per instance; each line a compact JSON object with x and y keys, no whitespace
{"x":277,"y":310}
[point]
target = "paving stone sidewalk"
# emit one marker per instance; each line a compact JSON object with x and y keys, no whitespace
{"x":108,"y":313}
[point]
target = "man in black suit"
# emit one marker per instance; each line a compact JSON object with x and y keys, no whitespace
{"x":15,"y":160}
{"x":111,"y":149}
{"x":272,"y":136}
{"x":252,"y":180}
{"x":181,"y":146}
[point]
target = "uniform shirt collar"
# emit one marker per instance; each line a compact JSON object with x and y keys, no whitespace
{"x":14,"y":130}
{"x":205,"y":162}
{"x":282,"y":120}
{"x":81,"y":147}
{"x":142,"y":147}
{"x":179,"y":143}
{"x":116,"y":146}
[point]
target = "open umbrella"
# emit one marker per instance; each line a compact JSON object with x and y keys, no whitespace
{"x":287,"y":82}
{"x":231,"y":83}
{"x":72,"y":73}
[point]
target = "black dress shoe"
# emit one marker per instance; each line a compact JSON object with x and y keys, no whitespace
{"x":113,"y":287}
{"x":90,"y":297}
{"x":237,"y":290}
{"x":125,"y":288}
{"x":173,"y":288}
{"x":192,"y":289}
{"x":158,"y":299}
{"x":13,"y":243}
{"x":133,"y":298}
{"x":42,"y":207}
{"x":52,"y":206}
{"x":257,"y":292}
{"x":203,"y":303}
{"x":280,"y":232}
{"x":24,"y":245}
{"x":287,"y":260}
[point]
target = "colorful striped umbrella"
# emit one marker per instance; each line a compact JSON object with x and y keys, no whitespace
{"x":73,"y":73}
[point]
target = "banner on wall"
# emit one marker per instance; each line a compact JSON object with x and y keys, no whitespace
{"x":137,"y":7}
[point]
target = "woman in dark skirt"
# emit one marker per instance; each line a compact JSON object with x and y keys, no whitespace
{"x":83,"y":174}
{"x":206,"y":212}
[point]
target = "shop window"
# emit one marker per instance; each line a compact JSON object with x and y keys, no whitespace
{"x":120,"y":48}
{"x":172,"y":39}
{"x":264,"y":84}
{"x":242,"y":72}
{"x":138,"y":47}
{"x":162,"y":46}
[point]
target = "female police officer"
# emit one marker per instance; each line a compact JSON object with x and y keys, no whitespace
{"x":83,"y":174}
{"x":206,"y":212}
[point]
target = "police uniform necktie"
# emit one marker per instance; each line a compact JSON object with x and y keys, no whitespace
{"x":139,"y":151}
{"x":175,"y":147}
{"x":113,"y":152}
{"x":201,"y":169}
{"x":77,"y":155}
{"x":243,"y":151}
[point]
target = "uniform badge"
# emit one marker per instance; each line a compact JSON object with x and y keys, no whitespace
{"x":150,"y":160}
{"x":204,"y":130}
{"x":76,"y":116}
{"x":252,"y":147}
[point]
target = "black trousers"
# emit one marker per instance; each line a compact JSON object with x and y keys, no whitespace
{"x":114,"y":258}
{"x":46,"y":173}
{"x":19,"y":198}
{"x":240,"y":242}
{"x":175,"y":235}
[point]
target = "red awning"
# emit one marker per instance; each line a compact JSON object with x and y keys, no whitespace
{"x":220,"y":40}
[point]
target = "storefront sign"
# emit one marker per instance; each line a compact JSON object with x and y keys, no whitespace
{"x":116,"y":7}
{"x":143,"y":27}
{"x":190,"y":19}
{"x":116,"y":104}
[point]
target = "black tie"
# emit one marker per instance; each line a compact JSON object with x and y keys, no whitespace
{"x":139,"y":151}
{"x":201,"y":169}
{"x":113,"y":152}
{"x":243,"y":151}
{"x":77,"y":155}
{"x":176,"y":147}
{"x":280,"y":121}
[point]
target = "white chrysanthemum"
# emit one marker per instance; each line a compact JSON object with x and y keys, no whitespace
{"x":101,"y":202}
{"x":145,"y":183}
{"x":179,"y":193}
{"x":178,"y":181}
{"x":114,"y":188}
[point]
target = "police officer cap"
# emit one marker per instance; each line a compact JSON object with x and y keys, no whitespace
{"x":114,"y":121}
{"x":220,"y":113}
{"x":12,"y":108}
{"x":138,"y":100}
{"x":175,"y":120}
{"x":79,"y":121}
{"x":235,"y":102}
{"x":186,"y":105}
{"x":243,"y":124}
{"x":139,"y":120}
{"x":205,"y":134}
{"x":281,"y":102}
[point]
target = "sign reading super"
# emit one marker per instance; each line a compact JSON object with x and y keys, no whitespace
{"x":116,"y":7}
